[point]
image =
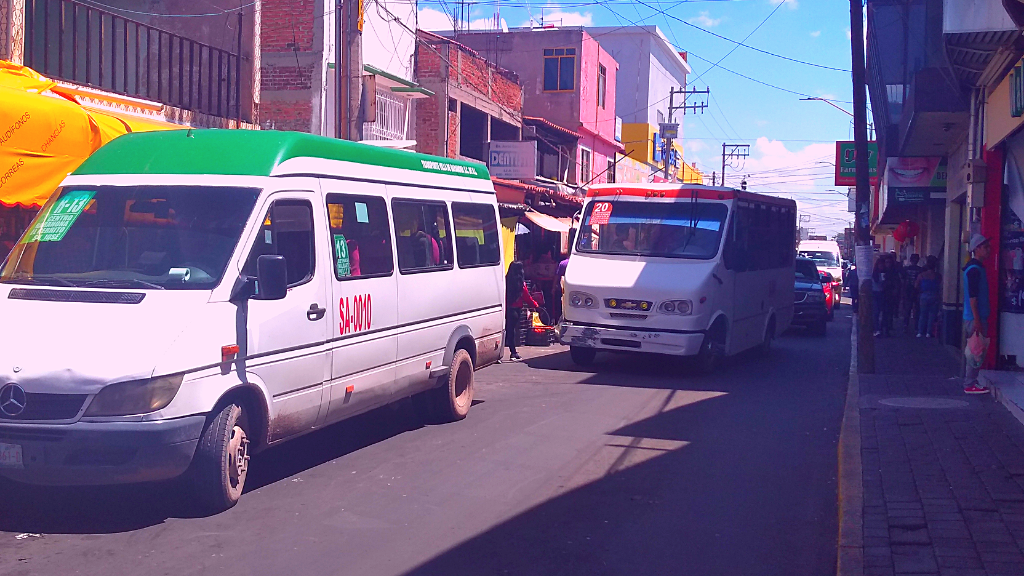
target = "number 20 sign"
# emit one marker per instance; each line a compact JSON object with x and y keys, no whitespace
{"x":602,"y":213}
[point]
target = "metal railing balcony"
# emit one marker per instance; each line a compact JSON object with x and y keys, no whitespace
{"x":79,"y":43}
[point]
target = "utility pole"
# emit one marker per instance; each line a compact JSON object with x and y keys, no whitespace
{"x":865,"y":315}
{"x":730,"y":151}
{"x":670,"y":130}
{"x":351,"y":67}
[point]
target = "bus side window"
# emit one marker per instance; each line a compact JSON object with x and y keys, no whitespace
{"x":737,"y":255}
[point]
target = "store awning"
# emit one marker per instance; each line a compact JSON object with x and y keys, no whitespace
{"x":47,"y":134}
{"x":548,"y":222}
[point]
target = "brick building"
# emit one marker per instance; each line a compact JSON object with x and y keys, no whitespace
{"x":298,"y":63}
{"x":569,"y":80}
{"x":474,"y":101}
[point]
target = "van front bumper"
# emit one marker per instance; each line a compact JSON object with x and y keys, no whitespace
{"x":92,"y":453}
{"x":677,"y":343}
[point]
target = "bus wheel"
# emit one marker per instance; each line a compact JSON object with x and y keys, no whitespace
{"x":221,"y":461}
{"x":711,"y":349}
{"x":582,"y":356}
{"x":455,"y":396}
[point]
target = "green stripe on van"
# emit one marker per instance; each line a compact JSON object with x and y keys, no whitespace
{"x":251,"y":153}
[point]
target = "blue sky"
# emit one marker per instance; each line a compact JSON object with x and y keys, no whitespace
{"x":788,"y":136}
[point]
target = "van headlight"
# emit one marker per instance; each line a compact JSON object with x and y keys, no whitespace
{"x":135,"y":397}
{"x":582,"y":300}
{"x":679,"y":307}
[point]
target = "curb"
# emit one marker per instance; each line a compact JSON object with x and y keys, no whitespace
{"x":850,"y":560}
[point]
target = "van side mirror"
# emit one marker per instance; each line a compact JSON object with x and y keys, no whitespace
{"x":271,"y":277}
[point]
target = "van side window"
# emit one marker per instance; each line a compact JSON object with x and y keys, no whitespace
{"x":422,"y":235}
{"x":476,"y":235}
{"x":361,"y":241}
{"x":287,"y":231}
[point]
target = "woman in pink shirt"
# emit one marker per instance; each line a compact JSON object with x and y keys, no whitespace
{"x":516,"y":296}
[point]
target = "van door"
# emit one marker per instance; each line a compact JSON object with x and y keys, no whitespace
{"x":364,"y":308}
{"x":428,"y":295}
{"x":286,"y":338}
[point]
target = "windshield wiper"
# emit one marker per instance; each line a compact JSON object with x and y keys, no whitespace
{"x":39,"y":280}
{"x":126,"y":283}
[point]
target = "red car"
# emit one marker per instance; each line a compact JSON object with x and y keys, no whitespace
{"x":830,"y":286}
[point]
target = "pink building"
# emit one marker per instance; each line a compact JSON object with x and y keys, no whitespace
{"x":568,"y":80}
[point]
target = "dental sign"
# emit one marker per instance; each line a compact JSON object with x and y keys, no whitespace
{"x":846,"y":163}
{"x":512,"y":160}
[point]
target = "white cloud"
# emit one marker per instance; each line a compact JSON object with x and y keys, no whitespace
{"x":562,"y":18}
{"x":704,"y":19}
{"x":849,"y":34}
{"x":792,"y":4}
{"x":802,"y":174}
{"x":816,"y":33}
{"x":694,"y":145}
{"x":437,"y":20}
{"x":761,"y":123}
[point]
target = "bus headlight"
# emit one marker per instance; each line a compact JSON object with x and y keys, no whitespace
{"x":679,"y":307}
{"x":582,"y":300}
{"x":135,"y":397}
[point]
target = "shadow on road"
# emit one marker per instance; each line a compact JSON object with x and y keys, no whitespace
{"x":111,"y":509}
{"x":737,"y":483}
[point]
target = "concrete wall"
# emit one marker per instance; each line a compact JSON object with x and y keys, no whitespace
{"x":292,"y":67}
{"x":593,"y":117}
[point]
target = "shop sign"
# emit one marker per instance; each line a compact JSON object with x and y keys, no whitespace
{"x":846,"y":163}
{"x":512,"y":160}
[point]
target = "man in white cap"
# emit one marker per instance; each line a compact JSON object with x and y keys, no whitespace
{"x":976,"y":306}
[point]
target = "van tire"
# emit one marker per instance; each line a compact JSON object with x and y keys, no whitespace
{"x":221,"y":461}
{"x":712,"y":349}
{"x":582,"y":356}
{"x":454,"y":398}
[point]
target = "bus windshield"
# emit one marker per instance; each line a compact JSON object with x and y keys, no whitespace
{"x":157,"y":237}
{"x":821,"y":258}
{"x":660,"y":229}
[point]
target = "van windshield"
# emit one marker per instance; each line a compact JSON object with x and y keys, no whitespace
{"x":672,"y":230}
{"x":822,"y":258}
{"x":155,"y":237}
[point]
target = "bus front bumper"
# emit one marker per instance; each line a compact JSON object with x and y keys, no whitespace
{"x":677,"y":343}
{"x":92,"y":453}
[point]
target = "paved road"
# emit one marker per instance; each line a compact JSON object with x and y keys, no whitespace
{"x":636,"y":467}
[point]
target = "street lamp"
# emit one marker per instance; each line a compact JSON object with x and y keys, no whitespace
{"x":829,"y":102}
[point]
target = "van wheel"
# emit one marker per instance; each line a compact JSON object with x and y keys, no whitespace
{"x":711,"y":350}
{"x":582,"y":356}
{"x":221,"y":461}
{"x":453,"y":399}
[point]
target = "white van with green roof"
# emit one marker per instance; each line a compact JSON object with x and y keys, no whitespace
{"x":186,"y":299}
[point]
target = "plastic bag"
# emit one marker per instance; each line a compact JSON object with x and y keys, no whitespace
{"x":977,"y":345}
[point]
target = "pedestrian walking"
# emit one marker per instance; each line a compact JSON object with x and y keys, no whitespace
{"x":976,"y":313}
{"x":853,"y":281}
{"x":516,"y":296}
{"x":911,"y":302}
{"x":929,"y":289}
{"x":878,"y":292}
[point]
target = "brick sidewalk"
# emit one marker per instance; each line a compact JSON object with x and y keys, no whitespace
{"x":943,"y":485}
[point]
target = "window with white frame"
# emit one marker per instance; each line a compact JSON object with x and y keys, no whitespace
{"x":586,"y":166}
{"x":392,"y":120}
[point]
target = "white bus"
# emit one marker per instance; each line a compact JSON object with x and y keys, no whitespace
{"x":676,"y":269}
{"x":185,"y":300}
